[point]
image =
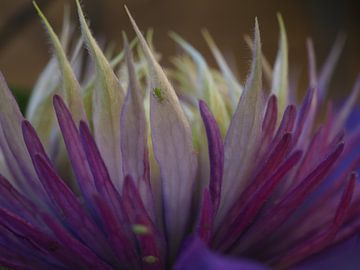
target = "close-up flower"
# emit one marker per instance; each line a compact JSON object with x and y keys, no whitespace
{"x":120,"y":163}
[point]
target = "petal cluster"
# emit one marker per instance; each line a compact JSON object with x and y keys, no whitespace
{"x":120,"y":164}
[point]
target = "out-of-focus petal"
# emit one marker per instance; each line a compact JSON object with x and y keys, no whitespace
{"x":344,"y":256}
{"x":281,"y":69}
{"x":196,"y":256}
{"x":235,"y":88}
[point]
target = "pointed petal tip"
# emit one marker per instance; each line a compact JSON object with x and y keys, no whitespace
{"x":57,"y":100}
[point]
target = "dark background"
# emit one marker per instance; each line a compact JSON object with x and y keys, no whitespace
{"x":24,"y":49}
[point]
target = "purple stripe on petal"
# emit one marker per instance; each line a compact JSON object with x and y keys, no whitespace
{"x":216,"y":154}
{"x":119,"y":234}
{"x":18,"y":261}
{"x":15,"y":202}
{"x":270,"y":119}
{"x":173,"y":148}
{"x":286,"y":124}
{"x":84,"y":253}
{"x":103,"y":183}
{"x":38,"y":242}
{"x":32,"y":141}
{"x":108,"y":203}
{"x":254,"y":204}
{"x":69,"y":209}
{"x":270,"y":164}
{"x":17,"y":241}
{"x":206,"y":218}
{"x":150,"y":241}
{"x":76,"y":153}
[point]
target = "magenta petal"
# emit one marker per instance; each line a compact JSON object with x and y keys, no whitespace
{"x":196,"y":256}
{"x":102,"y":180}
{"x":216,"y":153}
{"x":86,"y":256}
{"x":15,"y":202}
{"x":69,"y":208}
{"x":150,"y":241}
{"x":76,"y":152}
{"x":206,"y":217}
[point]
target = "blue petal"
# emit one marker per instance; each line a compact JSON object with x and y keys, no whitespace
{"x":196,"y":256}
{"x":344,"y":256}
{"x":353,"y":119}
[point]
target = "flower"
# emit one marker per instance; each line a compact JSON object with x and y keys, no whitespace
{"x":155,"y":179}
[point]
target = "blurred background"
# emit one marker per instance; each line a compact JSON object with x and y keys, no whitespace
{"x":24,"y":47}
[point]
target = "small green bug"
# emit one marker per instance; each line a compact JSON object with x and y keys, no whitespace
{"x":157,"y":92}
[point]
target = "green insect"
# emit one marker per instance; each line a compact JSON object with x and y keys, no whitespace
{"x":158,"y":94}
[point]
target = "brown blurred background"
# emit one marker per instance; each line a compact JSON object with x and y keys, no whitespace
{"x":24,"y":49}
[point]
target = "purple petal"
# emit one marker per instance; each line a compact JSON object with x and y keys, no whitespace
{"x":206,"y":219}
{"x":270,"y":117}
{"x":216,"y":154}
{"x":257,"y":200}
{"x":15,"y":202}
{"x":38,"y":242}
{"x":318,"y":242}
{"x":118,"y":234}
{"x":109,"y":201}
{"x":347,"y":108}
{"x":150,"y":241}
{"x":271,"y":163}
{"x":69,"y":209}
{"x":196,"y":256}
{"x":292,"y":201}
{"x":32,"y":141}
{"x":343,"y":256}
{"x":74,"y":148}
{"x":286,"y":124}
{"x":102,"y":180}
{"x":84,"y":253}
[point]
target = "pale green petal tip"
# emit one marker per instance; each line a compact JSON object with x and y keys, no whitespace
{"x":71,"y":86}
{"x":281,"y":69}
{"x":254,"y":82}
